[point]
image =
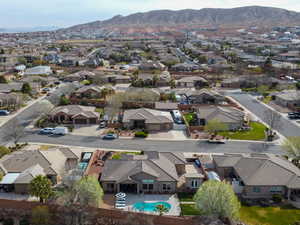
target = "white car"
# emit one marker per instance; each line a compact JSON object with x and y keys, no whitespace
{"x":47,"y":130}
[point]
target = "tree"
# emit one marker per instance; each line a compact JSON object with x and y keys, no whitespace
{"x":89,"y":191}
{"x":1,"y":176}
{"x":213,"y":126}
{"x":64,"y":100}
{"x":40,"y":215}
{"x":273,"y":119}
{"x":298,"y":85}
{"x":292,"y":147}
{"x":161,"y":209}
{"x":267,"y":67}
{"x":26,"y":88}
{"x":114,"y":105}
{"x":218,"y":199}
{"x":106,"y":92}
{"x":4,"y":151}
{"x":15,"y":131}
{"x":40,"y":187}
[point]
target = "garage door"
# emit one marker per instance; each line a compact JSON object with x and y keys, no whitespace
{"x":80,"y":121}
{"x":154,"y":127}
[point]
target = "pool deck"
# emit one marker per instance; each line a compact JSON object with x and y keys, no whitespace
{"x":175,"y":210}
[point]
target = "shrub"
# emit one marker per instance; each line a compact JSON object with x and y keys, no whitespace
{"x":8,"y":222}
{"x":277,"y":198}
{"x":141,"y":134}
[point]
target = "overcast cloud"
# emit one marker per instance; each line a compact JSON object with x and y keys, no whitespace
{"x":62,"y":13}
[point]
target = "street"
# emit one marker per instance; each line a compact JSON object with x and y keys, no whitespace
{"x":288,"y":128}
{"x":156,"y":145}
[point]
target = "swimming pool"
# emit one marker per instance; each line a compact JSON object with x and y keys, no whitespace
{"x":150,"y":206}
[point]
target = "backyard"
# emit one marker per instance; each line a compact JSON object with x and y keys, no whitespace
{"x":256,"y":133}
{"x":256,"y":215}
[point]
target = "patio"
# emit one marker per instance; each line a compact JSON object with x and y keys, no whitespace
{"x":175,"y":210}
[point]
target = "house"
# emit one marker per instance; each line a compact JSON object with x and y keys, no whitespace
{"x":152,"y":65}
{"x":89,"y":91}
{"x":259,"y":176}
{"x":10,"y":101}
{"x":204,"y":96}
{"x":185,"y":67}
{"x":21,"y":167}
{"x":74,"y":114}
{"x":79,"y":76}
{"x":149,"y":119}
{"x":232,"y":117}
{"x":38,"y":70}
{"x":152,"y":172}
{"x":190,"y":82}
{"x":116,"y":79}
{"x":288,"y":99}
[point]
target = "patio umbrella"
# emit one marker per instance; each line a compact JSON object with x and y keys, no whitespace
{"x":121,"y":195}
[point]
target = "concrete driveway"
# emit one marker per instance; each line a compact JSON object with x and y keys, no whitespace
{"x":169,"y":135}
{"x":87,"y":130}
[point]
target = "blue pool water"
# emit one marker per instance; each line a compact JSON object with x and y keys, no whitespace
{"x":150,"y":207}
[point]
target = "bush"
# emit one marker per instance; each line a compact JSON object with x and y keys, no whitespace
{"x":141,"y":134}
{"x":277,"y":198}
{"x":8,"y":222}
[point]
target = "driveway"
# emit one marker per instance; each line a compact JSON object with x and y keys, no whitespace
{"x":87,"y":130}
{"x":17,"y":197}
{"x":169,"y":135}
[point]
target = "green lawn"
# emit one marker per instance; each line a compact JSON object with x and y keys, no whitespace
{"x":185,"y":197}
{"x":189,"y":210}
{"x":256,"y":215}
{"x":257,"y":133}
{"x":117,"y":155}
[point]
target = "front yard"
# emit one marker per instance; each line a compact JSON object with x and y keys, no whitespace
{"x":256,"y":215}
{"x":256,"y":133}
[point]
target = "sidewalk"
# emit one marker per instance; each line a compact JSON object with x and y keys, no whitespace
{"x":5,"y":119}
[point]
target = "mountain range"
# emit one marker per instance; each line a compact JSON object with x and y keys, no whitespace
{"x":207,"y":17}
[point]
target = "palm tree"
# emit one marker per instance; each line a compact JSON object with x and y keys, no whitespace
{"x":41,"y":187}
{"x":161,"y":209}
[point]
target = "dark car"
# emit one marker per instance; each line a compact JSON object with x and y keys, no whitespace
{"x":110,"y":137}
{"x":4,"y":112}
{"x":294,"y":115}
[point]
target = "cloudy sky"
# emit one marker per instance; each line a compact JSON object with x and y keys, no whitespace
{"x":62,"y":13}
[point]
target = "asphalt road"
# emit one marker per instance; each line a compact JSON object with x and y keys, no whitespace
{"x":27,"y":116}
{"x":156,"y":145}
{"x":287,"y":128}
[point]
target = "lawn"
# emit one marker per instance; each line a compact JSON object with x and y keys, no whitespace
{"x":256,"y":215}
{"x":189,"y":210}
{"x":186,"y":197}
{"x":257,"y":133}
{"x":267,"y":99}
{"x":117,"y":155}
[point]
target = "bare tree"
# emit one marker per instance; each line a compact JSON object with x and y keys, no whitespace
{"x":273,"y":119}
{"x":15,"y":131}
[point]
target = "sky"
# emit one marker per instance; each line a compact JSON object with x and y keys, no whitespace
{"x":64,"y":13}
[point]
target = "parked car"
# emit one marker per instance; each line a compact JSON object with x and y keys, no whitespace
{"x":177,"y":117}
{"x":216,"y":141}
{"x":4,"y":112}
{"x":47,"y":130}
{"x":46,"y":89}
{"x":60,"y":131}
{"x":110,"y":137}
{"x":294,"y":115}
{"x":102,"y":124}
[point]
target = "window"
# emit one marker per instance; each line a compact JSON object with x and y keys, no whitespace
{"x":148,"y":187}
{"x":256,"y":189}
{"x":166,"y":187}
{"x":110,"y":186}
{"x":195,"y":184}
{"x":275,"y":189}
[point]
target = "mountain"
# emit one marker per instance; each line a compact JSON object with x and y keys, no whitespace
{"x":242,"y":16}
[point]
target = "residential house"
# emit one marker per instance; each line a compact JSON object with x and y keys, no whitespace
{"x":10,"y":101}
{"x":205,"y":96}
{"x":21,"y":167}
{"x":232,"y":117}
{"x":79,"y":76}
{"x":116,"y":79}
{"x":259,"y":176}
{"x":74,"y":114}
{"x":149,"y":119}
{"x":192,"y":81}
{"x":290,"y":99}
{"x":153,"y":173}
{"x":89,"y":91}
{"x":185,"y":67}
{"x":38,"y":70}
